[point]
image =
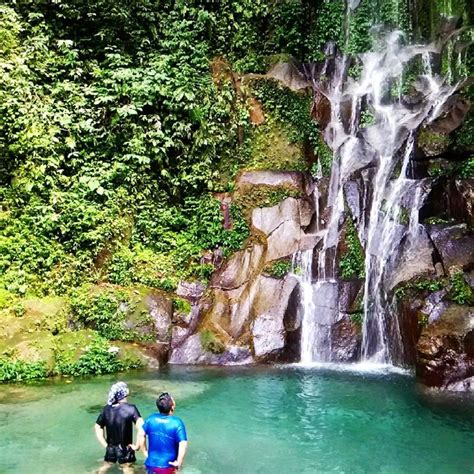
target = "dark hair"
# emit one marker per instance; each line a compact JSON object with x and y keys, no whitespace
{"x":164,"y":403}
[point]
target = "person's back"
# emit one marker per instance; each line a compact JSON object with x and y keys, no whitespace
{"x":164,"y":432}
{"x":167,"y":441}
{"x":117,"y":419}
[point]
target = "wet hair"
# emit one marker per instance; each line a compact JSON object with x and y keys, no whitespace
{"x":164,"y":403}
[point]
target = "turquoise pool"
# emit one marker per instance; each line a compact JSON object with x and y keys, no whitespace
{"x":251,"y":420}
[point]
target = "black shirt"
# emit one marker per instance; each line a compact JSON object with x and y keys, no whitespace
{"x":118,"y":421}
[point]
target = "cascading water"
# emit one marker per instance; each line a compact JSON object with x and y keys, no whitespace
{"x":372,"y":128}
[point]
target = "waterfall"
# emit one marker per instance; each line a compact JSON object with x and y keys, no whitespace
{"x":314,"y":331}
{"x":382,"y":149}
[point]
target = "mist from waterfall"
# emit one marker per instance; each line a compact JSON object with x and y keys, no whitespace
{"x":372,"y":131}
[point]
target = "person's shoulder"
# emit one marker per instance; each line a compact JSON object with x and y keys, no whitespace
{"x":177,"y":419}
{"x":130,"y":408}
{"x":151,"y":417}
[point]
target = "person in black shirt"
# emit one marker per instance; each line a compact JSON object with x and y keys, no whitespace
{"x":118,"y":418}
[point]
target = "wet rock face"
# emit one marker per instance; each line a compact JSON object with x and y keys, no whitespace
{"x":464,"y":209}
{"x":269,"y":333}
{"x":345,"y":340}
{"x":455,"y":245}
{"x":193,"y":352}
{"x":416,"y":261}
{"x":446,"y":350}
{"x":450,"y":200}
{"x":161,"y":311}
{"x":254,"y":316}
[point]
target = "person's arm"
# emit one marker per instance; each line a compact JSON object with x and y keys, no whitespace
{"x":99,"y":434}
{"x":141,"y":441}
{"x":183,"y":446}
{"x":138,"y":425}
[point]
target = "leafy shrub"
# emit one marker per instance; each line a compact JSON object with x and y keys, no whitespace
{"x":16,"y":370}
{"x":97,"y":359}
{"x":357,"y":318}
{"x":105,"y":311}
{"x":460,"y":291}
{"x":181,"y":305}
{"x":424,"y":285}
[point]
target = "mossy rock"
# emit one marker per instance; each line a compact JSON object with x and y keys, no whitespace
{"x":271,"y":148}
{"x":278,"y":268}
{"x":210,"y":342}
{"x":433,"y":143}
{"x":250,"y":197}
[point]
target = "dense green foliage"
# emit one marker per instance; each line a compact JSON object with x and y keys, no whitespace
{"x":12,"y":370}
{"x":352,"y":260}
{"x":459,"y":290}
{"x":456,"y":288}
{"x":107,"y":311}
{"x":97,"y":359}
{"x":114,"y":128}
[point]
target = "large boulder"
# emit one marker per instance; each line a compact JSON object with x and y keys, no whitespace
{"x":446,"y":349}
{"x":268,"y":219}
{"x":184,"y":325}
{"x":416,"y":260}
{"x":283,"y":179}
{"x":455,"y":245}
{"x":190,"y":290}
{"x":239,"y":269}
{"x":270,"y":307}
{"x":284,"y":225}
{"x":455,"y":110}
{"x":160,"y":308}
{"x":289,"y":75}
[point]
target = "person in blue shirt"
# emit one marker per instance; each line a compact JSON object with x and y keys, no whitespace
{"x":165,"y":435}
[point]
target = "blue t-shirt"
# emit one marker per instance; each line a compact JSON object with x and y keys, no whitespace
{"x":164,"y":432}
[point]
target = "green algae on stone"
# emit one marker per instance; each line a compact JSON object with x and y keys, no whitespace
{"x":210,"y":342}
{"x":278,"y":268}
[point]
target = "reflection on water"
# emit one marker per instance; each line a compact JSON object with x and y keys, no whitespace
{"x":250,"y":420}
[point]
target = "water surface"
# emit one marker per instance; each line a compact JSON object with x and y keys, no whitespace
{"x":250,"y":420}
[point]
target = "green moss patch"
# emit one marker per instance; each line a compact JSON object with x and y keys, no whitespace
{"x":277,"y":268}
{"x":352,"y":261}
{"x":116,"y":313}
{"x":272,"y":149}
{"x":210,"y":342}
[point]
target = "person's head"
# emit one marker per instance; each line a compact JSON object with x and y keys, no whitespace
{"x":165,"y":403}
{"x":118,"y":392}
